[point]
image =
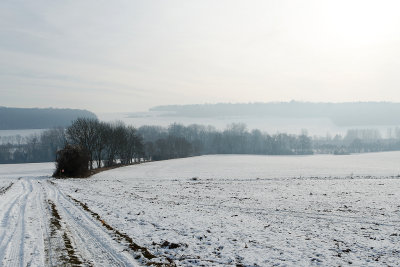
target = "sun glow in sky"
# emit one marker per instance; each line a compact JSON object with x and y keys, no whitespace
{"x":131,"y":55}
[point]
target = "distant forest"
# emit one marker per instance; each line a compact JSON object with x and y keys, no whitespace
{"x":342,"y":114}
{"x":114,"y":143}
{"x":36,"y":118}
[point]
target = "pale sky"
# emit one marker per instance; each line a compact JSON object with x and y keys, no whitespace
{"x":117,"y":56}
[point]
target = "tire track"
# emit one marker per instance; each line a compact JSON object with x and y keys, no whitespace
{"x":13,"y":223}
{"x":66,"y":252}
{"x":44,"y":226}
{"x":122,"y":237}
{"x":88,"y":238}
{"x":41,"y":226}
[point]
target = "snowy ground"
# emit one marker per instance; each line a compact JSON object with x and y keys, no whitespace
{"x":211,"y":211}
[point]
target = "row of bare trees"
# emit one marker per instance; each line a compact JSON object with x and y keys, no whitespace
{"x":40,"y":147}
{"x":178,"y":140}
{"x":106,"y":143}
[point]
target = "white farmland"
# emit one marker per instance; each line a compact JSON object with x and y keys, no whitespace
{"x":209,"y":210}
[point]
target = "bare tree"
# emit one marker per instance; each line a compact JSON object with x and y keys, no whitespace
{"x":102,"y":130}
{"x":82,"y":132}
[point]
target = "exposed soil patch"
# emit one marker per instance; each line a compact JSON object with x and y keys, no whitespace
{"x":5,"y":188}
{"x":102,"y":169}
{"x":169,"y":245}
{"x":55,"y":220}
{"x":67,"y":255}
{"x":122,"y":237}
{"x":98,"y":170}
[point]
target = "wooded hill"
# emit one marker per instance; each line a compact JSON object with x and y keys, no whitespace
{"x":342,"y":114}
{"x":36,"y":118}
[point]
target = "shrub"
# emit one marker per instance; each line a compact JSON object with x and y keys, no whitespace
{"x":72,"y":161}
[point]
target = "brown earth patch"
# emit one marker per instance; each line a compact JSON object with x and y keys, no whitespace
{"x":69,"y":257}
{"x":122,"y":237}
{"x":4,"y":189}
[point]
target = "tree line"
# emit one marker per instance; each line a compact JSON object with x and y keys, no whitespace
{"x":178,"y":140}
{"x":358,"y":141}
{"x":107,"y":144}
{"x":35,"y":148}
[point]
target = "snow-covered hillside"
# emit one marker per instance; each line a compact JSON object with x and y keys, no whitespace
{"x":212,"y":211}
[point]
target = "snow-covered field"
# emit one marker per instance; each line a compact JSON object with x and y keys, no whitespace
{"x":13,"y":171}
{"x":211,"y":210}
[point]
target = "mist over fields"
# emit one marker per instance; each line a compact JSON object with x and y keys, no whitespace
{"x":199,"y":133}
{"x":286,"y":117}
{"x":292,"y":117}
{"x":255,"y":128}
{"x":341,"y":114}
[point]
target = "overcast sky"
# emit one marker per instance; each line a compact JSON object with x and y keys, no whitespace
{"x":130,"y":55}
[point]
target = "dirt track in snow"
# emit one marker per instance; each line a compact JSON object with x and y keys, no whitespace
{"x":41,"y":226}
